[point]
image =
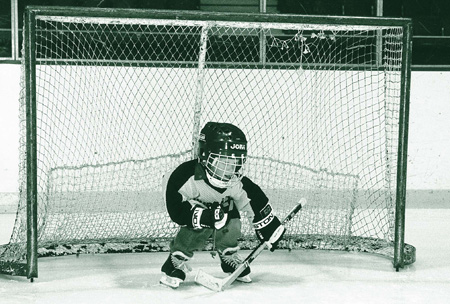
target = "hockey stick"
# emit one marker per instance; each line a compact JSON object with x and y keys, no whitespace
{"x":216,"y":284}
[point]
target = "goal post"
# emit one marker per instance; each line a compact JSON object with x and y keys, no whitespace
{"x":113,"y":99}
{"x":31,"y":175}
{"x":402,"y":154}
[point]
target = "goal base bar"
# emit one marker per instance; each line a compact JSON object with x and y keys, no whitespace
{"x":13,"y":268}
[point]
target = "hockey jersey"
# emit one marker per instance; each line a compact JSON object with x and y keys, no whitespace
{"x":187,"y":187}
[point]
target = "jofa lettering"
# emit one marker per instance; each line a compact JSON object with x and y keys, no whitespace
{"x":238,"y":146}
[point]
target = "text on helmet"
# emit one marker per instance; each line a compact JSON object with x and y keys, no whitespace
{"x":237,"y":146}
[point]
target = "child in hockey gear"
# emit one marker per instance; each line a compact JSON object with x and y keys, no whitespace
{"x":205,"y":196}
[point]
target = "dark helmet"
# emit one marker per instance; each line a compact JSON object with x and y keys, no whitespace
{"x":222,"y":149}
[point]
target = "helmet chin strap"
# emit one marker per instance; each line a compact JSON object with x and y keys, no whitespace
{"x":215,"y":182}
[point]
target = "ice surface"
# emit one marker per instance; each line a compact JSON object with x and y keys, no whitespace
{"x":302,"y":276}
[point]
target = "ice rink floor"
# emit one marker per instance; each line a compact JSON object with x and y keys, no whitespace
{"x":302,"y":276}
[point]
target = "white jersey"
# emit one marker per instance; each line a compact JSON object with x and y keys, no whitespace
{"x":187,"y":186}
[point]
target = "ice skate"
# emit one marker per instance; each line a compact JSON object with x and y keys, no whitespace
{"x":175,"y":269}
{"x":230,"y":260}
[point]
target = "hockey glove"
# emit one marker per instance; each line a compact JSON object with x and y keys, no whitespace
{"x":269,"y":230}
{"x":212,"y":217}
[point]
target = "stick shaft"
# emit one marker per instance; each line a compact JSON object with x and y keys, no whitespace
{"x":232,"y":277}
{"x":216,"y":284}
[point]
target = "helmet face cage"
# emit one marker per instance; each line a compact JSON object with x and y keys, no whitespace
{"x":224,"y":171}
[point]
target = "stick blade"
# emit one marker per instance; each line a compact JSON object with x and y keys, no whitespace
{"x":208,"y":281}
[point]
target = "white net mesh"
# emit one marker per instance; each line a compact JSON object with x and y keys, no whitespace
{"x":120,"y":101}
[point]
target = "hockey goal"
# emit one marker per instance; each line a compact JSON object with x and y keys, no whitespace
{"x":113,"y":99}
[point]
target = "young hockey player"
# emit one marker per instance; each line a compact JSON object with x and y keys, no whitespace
{"x":205,"y":196}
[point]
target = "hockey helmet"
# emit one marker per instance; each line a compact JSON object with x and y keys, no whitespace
{"x":222,"y":149}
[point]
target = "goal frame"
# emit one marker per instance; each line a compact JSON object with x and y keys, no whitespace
{"x":32,"y":12}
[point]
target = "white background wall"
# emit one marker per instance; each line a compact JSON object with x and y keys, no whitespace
{"x":9,"y":127}
{"x":429,"y":132}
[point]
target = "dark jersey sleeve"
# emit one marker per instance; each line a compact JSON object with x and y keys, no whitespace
{"x":258,"y":199}
{"x":179,"y":210}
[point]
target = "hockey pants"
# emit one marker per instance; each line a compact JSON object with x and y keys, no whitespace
{"x":187,"y":239}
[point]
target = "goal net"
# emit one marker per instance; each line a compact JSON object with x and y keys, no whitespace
{"x":114,"y":99}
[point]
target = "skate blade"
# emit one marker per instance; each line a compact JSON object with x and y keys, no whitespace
{"x":173,"y":283}
{"x":244,"y":279}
